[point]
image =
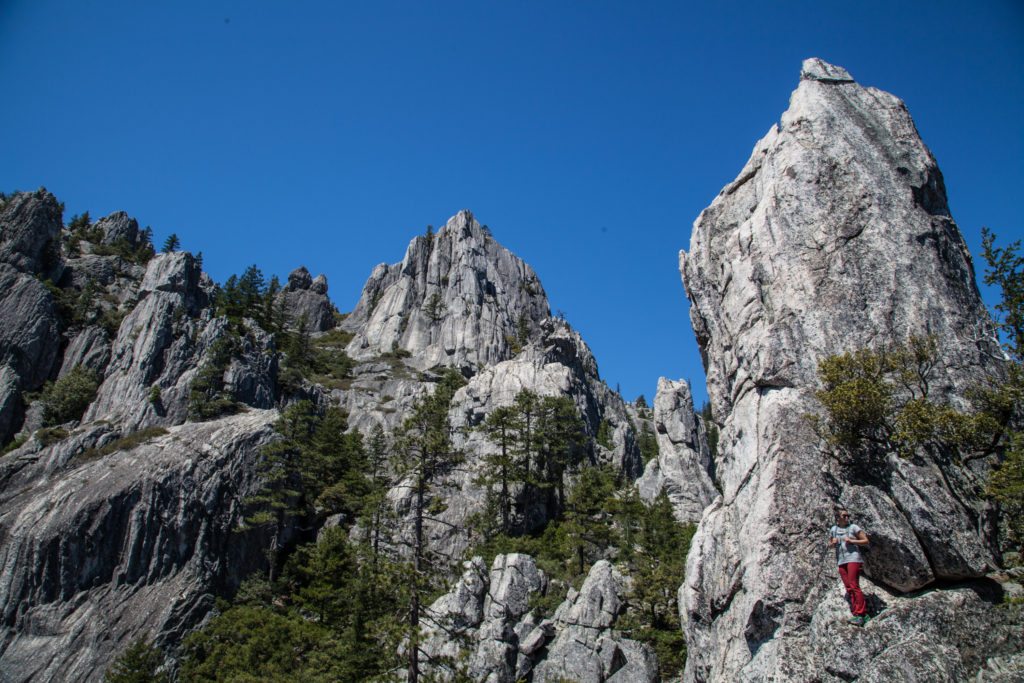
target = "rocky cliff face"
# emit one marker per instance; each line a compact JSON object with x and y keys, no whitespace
{"x":100,"y":551}
{"x":835,"y":236}
{"x":489,"y":616}
{"x":117,"y":526}
{"x":492,"y":324}
{"x":458,"y":298}
{"x":684,"y":467}
{"x":30,"y":335}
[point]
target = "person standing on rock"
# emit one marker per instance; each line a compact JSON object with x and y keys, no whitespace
{"x":848,"y":539}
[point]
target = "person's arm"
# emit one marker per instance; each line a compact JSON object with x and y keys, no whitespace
{"x":832,"y":540}
{"x":859,"y":538}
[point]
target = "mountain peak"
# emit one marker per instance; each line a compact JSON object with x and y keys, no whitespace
{"x":815,"y":69}
{"x":457,"y":298}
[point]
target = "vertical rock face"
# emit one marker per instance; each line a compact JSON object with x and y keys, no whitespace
{"x":304,"y":297}
{"x":835,"y":236}
{"x":98,"y":553}
{"x":29,"y":223}
{"x":30,"y":335}
{"x":683,"y":466}
{"x":458,"y":298}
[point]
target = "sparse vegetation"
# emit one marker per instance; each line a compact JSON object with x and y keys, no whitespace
{"x":67,"y":398}
{"x":125,"y":443}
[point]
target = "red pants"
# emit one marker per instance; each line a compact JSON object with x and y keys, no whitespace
{"x":850,"y":574}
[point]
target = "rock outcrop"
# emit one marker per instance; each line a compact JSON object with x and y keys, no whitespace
{"x":30,"y":334}
{"x":499,"y":336}
{"x":304,"y":298}
{"x":835,"y":236}
{"x":99,"y":552}
{"x":486,"y":624}
{"x":683,"y":468}
{"x":458,"y":298}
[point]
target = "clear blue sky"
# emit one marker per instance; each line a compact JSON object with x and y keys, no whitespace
{"x":587,"y":135}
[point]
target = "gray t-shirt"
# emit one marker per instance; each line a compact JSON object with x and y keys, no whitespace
{"x":846,"y":552}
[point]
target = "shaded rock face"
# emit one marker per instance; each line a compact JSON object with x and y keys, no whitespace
{"x":683,"y":468}
{"x":29,"y":341}
{"x":30,"y":333}
{"x":29,"y":224}
{"x":835,"y":236}
{"x":304,"y":297}
{"x":119,"y":227}
{"x":486,"y":621}
{"x":134,"y":544}
{"x":457,"y":299}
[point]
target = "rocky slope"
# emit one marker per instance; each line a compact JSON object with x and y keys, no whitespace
{"x":488,"y":615}
{"x":835,"y":236}
{"x":137,"y":543}
{"x":124,"y":524}
{"x":493,"y":325}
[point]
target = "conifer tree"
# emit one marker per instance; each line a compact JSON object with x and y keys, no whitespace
{"x":172,"y":243}
{"x":424,"y":454}
{"x":504,"y":468}
{"x":141,"y":662}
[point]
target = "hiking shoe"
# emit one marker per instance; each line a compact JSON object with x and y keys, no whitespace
{"x":858,"y":621}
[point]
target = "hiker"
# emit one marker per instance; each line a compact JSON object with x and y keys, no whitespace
{"x":848,"y":539}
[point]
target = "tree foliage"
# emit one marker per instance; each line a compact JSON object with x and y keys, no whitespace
{"x":878,"y":401}
{"x":314,"y":469}
{"x":67,"y":398}
{"x":141,"y":662}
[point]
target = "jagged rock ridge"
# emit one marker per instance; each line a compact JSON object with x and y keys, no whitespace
{"x":836,"y":235}
{"x":457,"y":298}
{"x":115,"y":527}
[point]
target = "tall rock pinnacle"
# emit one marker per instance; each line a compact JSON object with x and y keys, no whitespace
{"x":458,"y":297}
{"x":836,"y":235}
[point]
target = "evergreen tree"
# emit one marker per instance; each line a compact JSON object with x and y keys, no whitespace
{"x":559,"y":438}
{"x":375,"y":509}
{"x":587,"y":527}
{"x":657,"y":563}
{"x":504,"y":468}
{"x":140,"y":663}
{"x":434,"y":308}
{"x":172,"y":243}
{"x":315,"y":468}
{"x":425,"y":453}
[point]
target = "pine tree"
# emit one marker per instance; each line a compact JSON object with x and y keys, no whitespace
{"x":425,"y":453}
{"x":587,"y":526}
{"x":504,"y":468}
{"x":141,"y":662}
{"x":559,"y":439}
{"x":172,"y":243}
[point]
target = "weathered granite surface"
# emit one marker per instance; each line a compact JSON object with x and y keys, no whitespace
{"x":836,"y":235}
{"x":683,"y":468}
{"x":97,"y":553}
{"x":29,"y":333}
{"x":485,"y":625}
{"x":304,"y":298}
{"x":458,"y":298}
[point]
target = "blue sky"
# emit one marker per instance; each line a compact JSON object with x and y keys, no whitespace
{"x":587,"y":135}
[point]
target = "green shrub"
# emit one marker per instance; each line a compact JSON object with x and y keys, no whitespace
{"x":68,"y":397}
